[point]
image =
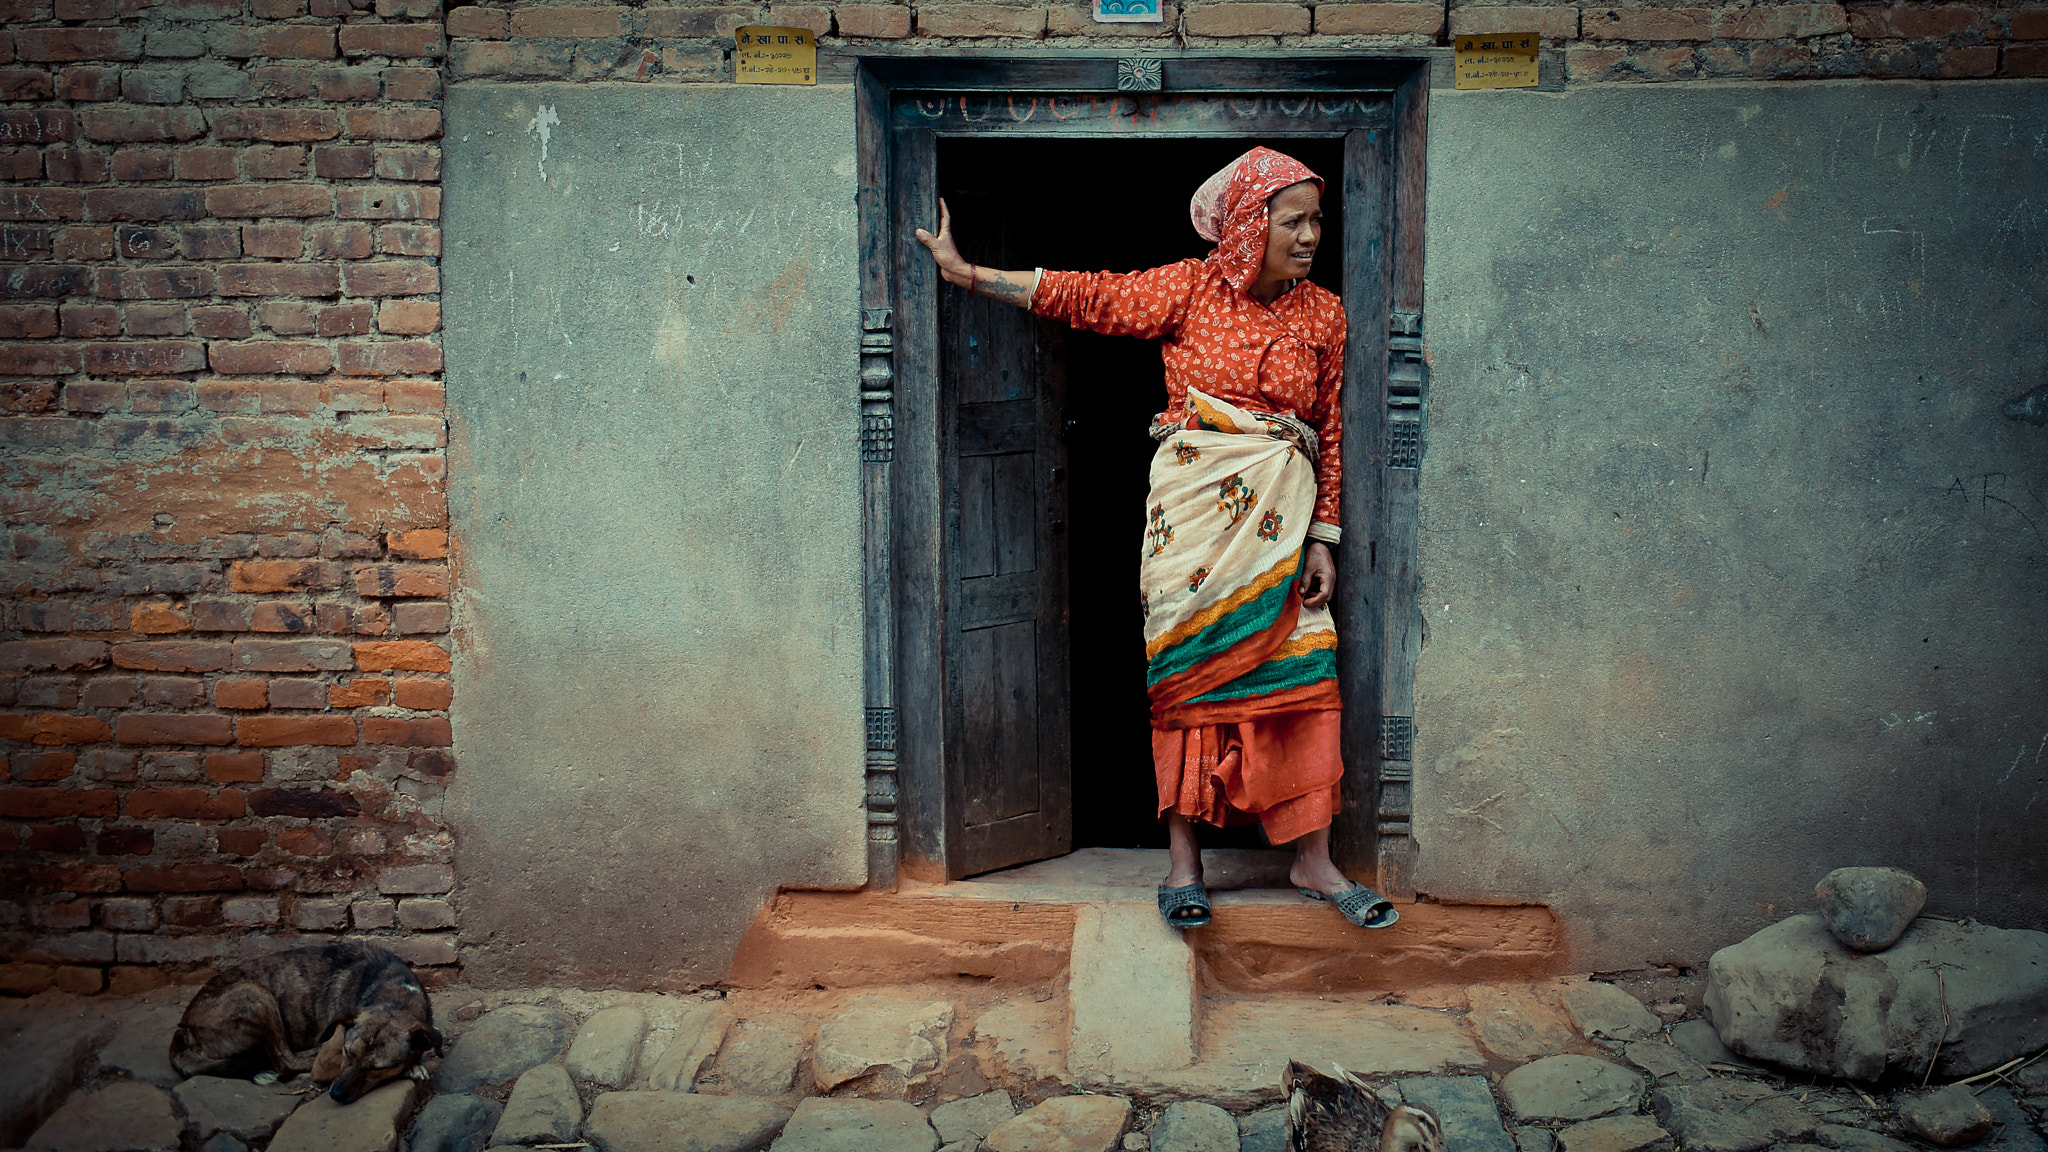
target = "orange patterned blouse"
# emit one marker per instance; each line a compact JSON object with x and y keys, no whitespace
{"x":1287,"y":357}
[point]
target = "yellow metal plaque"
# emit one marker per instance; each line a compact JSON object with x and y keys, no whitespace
{"x":1501,"y":60}
{"x":776,"y":55}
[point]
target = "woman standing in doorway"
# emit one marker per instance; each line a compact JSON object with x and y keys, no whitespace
{"x":1236,"y":576}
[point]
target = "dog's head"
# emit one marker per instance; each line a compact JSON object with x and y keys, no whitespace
{"x":374,"y":1046}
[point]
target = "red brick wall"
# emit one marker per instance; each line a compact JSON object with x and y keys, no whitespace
{"x":224,"y":666}
{"x":1603,"y":43}
{"x":224,"y":651}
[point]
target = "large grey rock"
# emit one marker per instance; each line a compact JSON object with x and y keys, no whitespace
{"x":1465,"y":1105}
{"x":607,"y":1045}
{"x":1664,"y":1061}
{"x":458,"y":1123}
{"x":122,"y":1117}
{"x":699,"y":1033}
{"x":1569,"y":1087}
{"x":972,"y":1118}
{"x":1063,"y":1124}
{"x":821,"y":1125}
{"x":1868,"y":909}
{"x":1532,"y":1139}
{"x":141,"y":1047}
{"x":1264,"y":1130}
{"x":1846,"y":1138}
{"x":243,"y":1110}
{"x":543,"y":1109}
{"x":1192,"y":1126}
{"x":897,"y":1041}
{"x":1606,"y":1012}
{"x":47,"y":1050}
{"x":1614,"y":1134}
{"x":1945,"y":1117}
{"x":502,"y":1044}
{"x":1793,"y":995}
{"x":1721,"y":1116}
{"x":368,"y":1125}
{"x":759,"y":1058}
{"x":681,"y":1122}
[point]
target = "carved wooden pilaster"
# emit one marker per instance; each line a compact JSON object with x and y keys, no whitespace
{"x":877,"y":454}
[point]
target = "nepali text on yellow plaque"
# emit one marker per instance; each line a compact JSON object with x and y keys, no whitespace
{"x":776,"y":56}
{"x":1501,"y":60}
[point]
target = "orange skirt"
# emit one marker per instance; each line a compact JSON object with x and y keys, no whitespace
{"x":1281,"y":770}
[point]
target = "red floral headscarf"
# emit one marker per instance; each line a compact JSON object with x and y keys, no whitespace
{"x":1230,"y":209}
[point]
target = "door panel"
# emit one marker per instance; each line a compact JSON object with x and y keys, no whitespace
{"x":1007,"y":742}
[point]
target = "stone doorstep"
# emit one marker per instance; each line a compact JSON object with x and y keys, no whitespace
{"x":1135,"y":985}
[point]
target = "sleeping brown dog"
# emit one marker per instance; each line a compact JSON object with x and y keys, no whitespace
{"x":352,"y":1014}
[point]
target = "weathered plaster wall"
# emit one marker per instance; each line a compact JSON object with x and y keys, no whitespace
{"x":1734,"y":569}
{"x":656,"y":489}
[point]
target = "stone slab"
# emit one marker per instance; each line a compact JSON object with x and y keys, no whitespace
{"x":1569,"y":1087}
{"x":543,"y":1109}
{"x":826,"y":1125}
{"x":1517,"y":1024}
{"x":248,"y":1112}
{"x":682,"y":1122}
{"x":122,"y":1117}
{"x":456,"y":1123}
{"x":1614,"y":1134}
{"x":896,"y":1042}
{"x":48,"y":1043}
{"x":1848,"y":1138}
{"x":1464,"y":1104}
{"x":1246,"y":1045}
{"x":760,"y":1057}
{"x":1697,"y":1039}
{"x":1664,"y":1060}
{"x":1025,"y":1039}
{"x":972,"y":1118}
{"x":2014,"y":1132}
{"x":1131,"y":991}
{"x":699,"y":1032}
{"x":141,"y":1046}
{"x":606,"y":1046}
{"x":1194,"y":1126}
{"x":1063,"y":1124}
{"x":501,"y":1044}
{"x":1263,"y":1130}
{"x":1727,"y":1116}
{"x":368,"y":1125}
{"x":1605,"y":1012}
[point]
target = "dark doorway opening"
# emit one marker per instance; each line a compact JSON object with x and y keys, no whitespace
{"x":1110,"y":205}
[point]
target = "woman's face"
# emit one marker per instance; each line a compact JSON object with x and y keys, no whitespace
{"x":1295,"y":227}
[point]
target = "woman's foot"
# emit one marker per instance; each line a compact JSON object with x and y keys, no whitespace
{"x":1313,"y":868}
{"x":1319,"y":875}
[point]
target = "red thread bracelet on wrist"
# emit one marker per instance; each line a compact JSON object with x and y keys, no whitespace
{"x":973,"y":274}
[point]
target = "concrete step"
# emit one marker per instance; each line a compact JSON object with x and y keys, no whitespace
{"x":1212,"y":1012}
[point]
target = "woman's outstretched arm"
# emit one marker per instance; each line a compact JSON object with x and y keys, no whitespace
{"x":1009,"y":287}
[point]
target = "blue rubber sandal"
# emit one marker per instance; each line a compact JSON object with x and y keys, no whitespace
{"x":1360,"y":905}
{"x":1195,"y":896}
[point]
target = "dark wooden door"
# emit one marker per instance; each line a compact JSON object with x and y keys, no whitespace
{"x":1007,"y":746}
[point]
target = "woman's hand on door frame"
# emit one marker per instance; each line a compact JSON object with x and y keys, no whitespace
{"x":1318,"y":576}
{"x":1009,"y":287}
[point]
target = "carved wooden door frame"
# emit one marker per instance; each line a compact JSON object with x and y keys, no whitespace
{"x":1383,"y":178}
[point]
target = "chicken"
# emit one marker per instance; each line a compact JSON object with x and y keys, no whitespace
{"x":1341,"y":1113}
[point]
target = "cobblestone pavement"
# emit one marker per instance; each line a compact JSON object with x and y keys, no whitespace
{"x":1569,"y":1065}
